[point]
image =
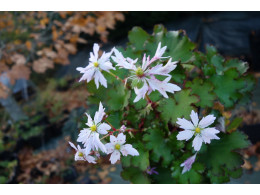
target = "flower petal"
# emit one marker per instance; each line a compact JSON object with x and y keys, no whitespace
{"x":121,"y":138}
{"x":187,"y":164}
{"x":194,"y":118}
{"x":115,"y":156}
{"x":84,"y":135}
{"x":113,"y":140}
{"x":185,"y":135}
{"x":197,"y":143}
{"x":103,"y":128}
{"x":185,"y":124}
{"x":95,"y":50}
{"x":110,"y":148}
{"x":209,"y":134}
{"x":206,"y":121}
{"x":99,"y":114}
{"x":140,"y":93}
{"x":90,"y":121}
{"x":90,"y":159}
{"x":73,"y":146}
{"x":128,"y":149}
{"x":101,"y":78}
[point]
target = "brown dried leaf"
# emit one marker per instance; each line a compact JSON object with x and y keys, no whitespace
{"x":63,"y":57}
{"x":47,"y":52}
{"x":70,"y":48}
{"x":18,"y":59}
{"x":42,"y":64}
{"x":3,"y":91}
{"x":3,"y":67}
{"x":19,"y":72}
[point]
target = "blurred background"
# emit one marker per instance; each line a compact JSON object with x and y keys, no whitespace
{"x":41,"y":101}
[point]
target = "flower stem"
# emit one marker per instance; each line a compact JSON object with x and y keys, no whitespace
{"x":105,"y":136}
{"x":114,"y":129}
{"x":112,"y":74}
{"x":147,"y":98}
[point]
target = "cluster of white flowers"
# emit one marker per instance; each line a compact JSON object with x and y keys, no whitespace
{"x":144,"y":74}
{"x":89,"y":137}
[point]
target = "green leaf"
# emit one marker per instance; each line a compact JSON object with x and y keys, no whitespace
{"x":203,"y":90}
{"x":115,"y":118}
{"x":235,"y":63}
{"x":171,"y":109}
{"x":234,"y":125}
{"x":227,"y":86}
{"x":217,"y":61}
{"x":141,"y":161}
{"x":137,"y":83}
{"x":179,"y":46}
{"x":194,"y":175}
{"x":158,"y":144}
{"x":221,"y":155}
{"x":118,"y":99}
{"x":134,"y":175}
{"x":137,"y":37}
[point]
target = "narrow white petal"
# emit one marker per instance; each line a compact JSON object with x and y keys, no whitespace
{"x":121,"y":138}
{"x":209,"y":133}
{"x":101,"y":79}
{"x":206,"y":121}
{"x":84,"y":135}
{"x":140,"y":93}
{"x":194,"y":117}
{"x":128,"y":149}
{"x":90,"y":121}
{"x":185,"y":135}
{"x":113,"y":139}
{"x":88,"y":75}
{"x":110,"y":148}
{"x":73,"y":146}
{"x":115,"y":156}
{"x":90,"y":159}
{"x":95,"y":50}
{"x":96,"y":79}
{"x":185,"y":124}
{"x":197,"y":143}
{"x":103,"y":128}
{"x":99,"y":114}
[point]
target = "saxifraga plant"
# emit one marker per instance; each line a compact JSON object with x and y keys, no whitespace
{"x":168,"y":109}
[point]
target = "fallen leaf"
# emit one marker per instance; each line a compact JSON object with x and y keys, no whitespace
{"x":42,"y":64}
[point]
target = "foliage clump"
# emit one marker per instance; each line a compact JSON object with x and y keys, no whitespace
{"x":152,"y":120}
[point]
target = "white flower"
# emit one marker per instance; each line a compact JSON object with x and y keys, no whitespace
{"x":160,"y":51}
{"x":90,"y":136}
{"x":95,"y":66}
{"x":187,"y":164}
{"x":82,"y":154}
{"x":122,"y":128}
{"x":116,"y":146}
{"x":145,"y":74}
{"x":202,"y":132}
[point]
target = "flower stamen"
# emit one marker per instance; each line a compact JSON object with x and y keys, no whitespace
{"x":96,"y":64}
{"x":80,"y":154}
{"x":139,"y":72}
{"x":197,"y":130}
{"x":93,"y":128}
{"x":117,"y":146}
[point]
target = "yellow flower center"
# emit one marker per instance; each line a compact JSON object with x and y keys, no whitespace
{"x":93,"y":128}
{"x":197,"y":130}
{"x":139,"y":72}
{"x":80,"y":154}
{"x":117,"y":146}
{"x":96,"y":64}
